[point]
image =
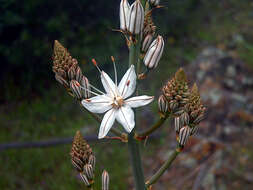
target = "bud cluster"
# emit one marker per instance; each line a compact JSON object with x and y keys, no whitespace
{"x":176,"y":92}
{"x":68,"y":73}
{"x":184,"y":104}
{"x":133,"y":21}
{"x":82,"y":159}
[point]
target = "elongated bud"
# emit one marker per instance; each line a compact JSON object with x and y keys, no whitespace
{"x":177,"y":124}
{"x":86,"y":87}
{"x":72,"y":72}
{"x":184,"y":134}
{"x":154,"y":53}
{"x":162,"y":104}
{"x":194,"y":130}
{"x":79,"y":74}
{"x":84,"y":179}
{"x":61,"y":80}
{"x":76,"y":89}
{"x":105,"y":180}
{"x":92,"y":161}
{"x":184,"y":118}
{"x":88,"y":171}
{"x":154,"y":2}
{"x":146,"y":42}
{"x":124,"y":14}
{"x":136,"y":18}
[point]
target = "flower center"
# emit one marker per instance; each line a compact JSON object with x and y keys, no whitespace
{"x":118,"y":102}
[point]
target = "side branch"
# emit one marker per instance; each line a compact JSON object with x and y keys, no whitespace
{"x":163,"y":168}
{"x":158,"y":124}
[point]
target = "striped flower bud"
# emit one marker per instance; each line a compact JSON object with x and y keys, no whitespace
{"x":105,"y":180}
{"x":194,"y":130}
{"x":154,"y":53}
{"x":162,"y":104}
{"x":79,"y":74}
{"x":184,"y":118}
{"x":76,"y":89}
{"x":92,"y":161}
{"x":88,"y":171}
{"x":84,"y":179}
{"x":177,"y":124}
{"x":154,"y":2}
{"x":61,"y":80}
{"x":124,"y":14}
{"x":86,"y":87}
{"x":136,"y":18}
{"x":72,"y":72}
{"x":146,"y":42}
{"x":184,"y":134}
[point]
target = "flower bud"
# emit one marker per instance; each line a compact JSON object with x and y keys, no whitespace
{"x":146,"y":42}
{"x":105,"y":180}
{"x":136,"y":18}
{"x":194,"y":130}
{"x":154,"y":53}
{"x":92,"y":161}
{"x":162,"y":104}
{"x":177,"y":124}
{"x":184,"y":118}
{"x":79,"y":74}
{"x":61,"y":80}
{"x":124,"y":14}
{"x":85,"y":179}
{"x":154,"y":2}
{"x":184,"y":134}
{"x":76,"y":89}
{"x":88,"y":171}
{"x":86,"y":86}
{"x":72,"y":72}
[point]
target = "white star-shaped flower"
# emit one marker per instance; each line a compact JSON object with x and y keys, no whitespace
{"x":115,"y":103}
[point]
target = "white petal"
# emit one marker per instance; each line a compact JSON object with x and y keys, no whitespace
{"x":128,"y":83}
{"x":125,"y":116}
{"x":107,"y":123}
{"x":108,"y":84}
{"x":139,"y":101}
{"x":97,"y":104}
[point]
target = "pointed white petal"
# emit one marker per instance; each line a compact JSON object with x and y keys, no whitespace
{"x":106,"y":123}
{"x":128,"y":83}
{"x":125,"y":116}
{"x":108,"y":84}
{"x":98,"y":104}
{"x":139,"y":101}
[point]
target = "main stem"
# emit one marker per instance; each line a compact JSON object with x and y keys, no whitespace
{"x":133,"y":146}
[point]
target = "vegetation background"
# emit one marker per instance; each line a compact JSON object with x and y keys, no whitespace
{"x":34,"y":107}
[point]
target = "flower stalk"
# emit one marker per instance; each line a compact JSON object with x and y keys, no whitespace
{"x":163,"y":168}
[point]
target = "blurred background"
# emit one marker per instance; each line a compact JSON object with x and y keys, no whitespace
{"x":211,"y":40}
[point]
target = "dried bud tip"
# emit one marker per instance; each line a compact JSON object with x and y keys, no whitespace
{"x":180,"y":75}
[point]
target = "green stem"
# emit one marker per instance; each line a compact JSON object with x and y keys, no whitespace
{"x":134,"y":153}
{"x":164,"y":167}
{"x":133,"y":147}
{"x":157,"y":125}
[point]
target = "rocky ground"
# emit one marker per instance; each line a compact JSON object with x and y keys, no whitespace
{"x":220,"y":156}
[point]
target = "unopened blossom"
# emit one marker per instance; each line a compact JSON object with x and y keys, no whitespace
{"x":115,"y":103}
{"x":154,"y":2}
{"x":124,"y":14}
{"x":136,"y":18}
{"x":154,"y":53}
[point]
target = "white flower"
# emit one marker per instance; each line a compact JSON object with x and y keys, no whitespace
{"x":115,"y":102}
